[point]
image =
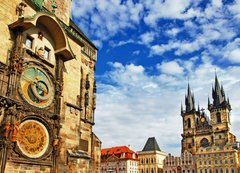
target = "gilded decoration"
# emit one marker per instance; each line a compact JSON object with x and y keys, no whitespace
{"x":33,"y":138}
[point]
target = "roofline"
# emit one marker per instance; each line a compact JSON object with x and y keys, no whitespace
{"x":73,"y":24}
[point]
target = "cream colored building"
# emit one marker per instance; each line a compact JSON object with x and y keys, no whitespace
{"x":47,"y":90}
{"x":151,"y":157}
{"x":120,"y":159}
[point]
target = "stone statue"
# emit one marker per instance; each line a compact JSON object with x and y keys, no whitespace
{"x":7,"y":129}
{"x":20,"y":9}
{"x":15,"y":131}
{"x":40,"y":47}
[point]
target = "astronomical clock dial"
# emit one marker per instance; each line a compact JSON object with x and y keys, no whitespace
{"x":33,"y":138}
{"x":36,"y":86}
{"x":202,"y":120}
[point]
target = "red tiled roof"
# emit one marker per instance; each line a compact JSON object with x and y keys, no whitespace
{"x":119,"y":150}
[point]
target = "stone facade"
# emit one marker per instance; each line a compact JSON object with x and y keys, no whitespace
{"x":210,"y":139}
{"x":47,"y":90}
{"x":186,"y":163}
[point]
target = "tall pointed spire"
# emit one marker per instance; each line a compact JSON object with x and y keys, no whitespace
{"x":189,"y":100}
{"x":218,"y":93}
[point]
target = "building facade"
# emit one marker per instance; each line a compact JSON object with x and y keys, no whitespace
{"x":210,"y":139}
{"x":186,"y":163}
{"x":151,"y":157}
{"x":47,"y":90}
{"x":119,"y":160}
{"x":217,"y":159}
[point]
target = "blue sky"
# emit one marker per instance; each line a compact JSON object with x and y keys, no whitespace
{"x":148,"y":51}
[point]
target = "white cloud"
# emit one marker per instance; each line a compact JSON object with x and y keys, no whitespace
{"x":147,"y":37}
{"x":171,"y":67}
{"x":130,"y":111}
{"x":173,"y":32}
{"x":170,"y":9}
{"x":121,"y":43}
{"x":232,"y":51}
{"x":104,"y":18}
{"x":137,"y":52}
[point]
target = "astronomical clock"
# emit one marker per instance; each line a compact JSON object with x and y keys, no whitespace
{"x":32,"y":123}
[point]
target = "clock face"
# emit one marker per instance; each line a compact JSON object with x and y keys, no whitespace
{"x":36,"y":86}
{"x":33,"y":138}
{"x":202,"y":120}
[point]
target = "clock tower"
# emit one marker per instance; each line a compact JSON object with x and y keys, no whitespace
{"x":47,"y":90}
{"x":200,"y":131}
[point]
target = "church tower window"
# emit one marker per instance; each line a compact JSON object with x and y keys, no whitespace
{"x":189,"y":123}
{"x":204,"y":142}
{"x":219,"y":117}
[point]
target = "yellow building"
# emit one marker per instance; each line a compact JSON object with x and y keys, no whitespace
{"x":217,"y":159}
{"x":210,"y":139}
{"x":47,"y":90}
{"x":151,"y":157}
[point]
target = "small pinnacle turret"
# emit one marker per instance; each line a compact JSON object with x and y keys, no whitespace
{"x":189,"y":100}
{"x":218,"y":95}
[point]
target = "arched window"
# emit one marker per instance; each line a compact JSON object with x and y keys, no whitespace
{"x":210,"y":170}
{"x":226,"y":170}
{"x":216,"y":170}
{"x":189,"y":123}
{"x":219,"y":117}
{"x":221,"y":170}
{"x":232,"y":170}
{"x":152,"y":170}
{"x":197,"y":121}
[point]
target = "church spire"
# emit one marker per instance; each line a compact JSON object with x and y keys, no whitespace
{"x":189,"y":100}
{"x":218,"y":93}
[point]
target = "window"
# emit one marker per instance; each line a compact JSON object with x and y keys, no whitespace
{"x":205,"y":170}
{"x":204,"y":143}
{"x":46,"y":52}
{"x":219,"y":117}
{"x":221,"y":170}
{"x":232,"y":170}
{"x":29,"y":42}
{"x":216,"y":170}
{"x":226,"y":170}
{"x":189,"y":123}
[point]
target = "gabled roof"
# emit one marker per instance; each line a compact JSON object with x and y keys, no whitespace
{"x":151,"y":145}
{"x":116,"y":150}
{"x":120,"y":152}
